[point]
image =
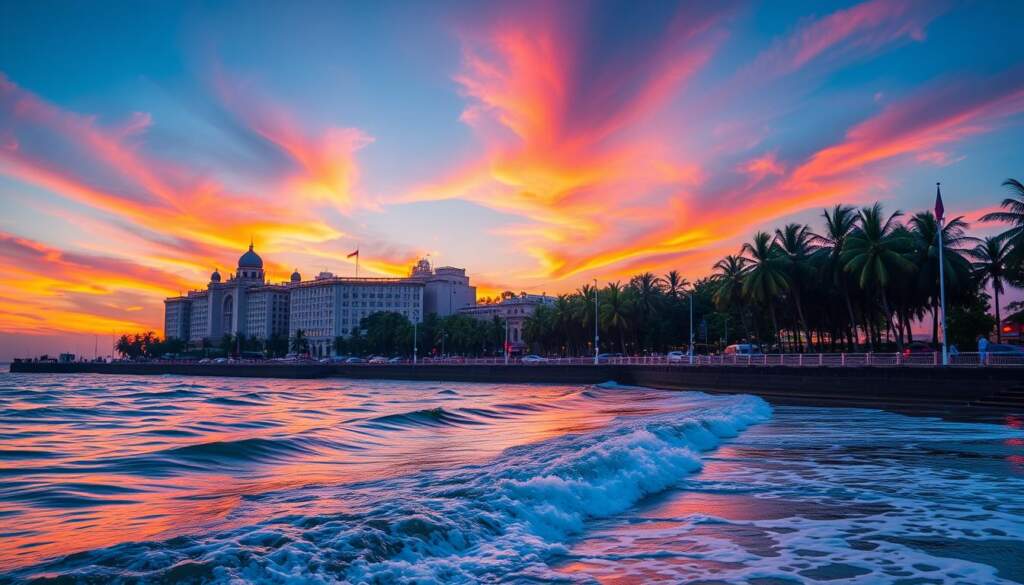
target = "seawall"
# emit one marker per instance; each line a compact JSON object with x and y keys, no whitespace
{"x":968,"y":392}
{"x":181,"y":369}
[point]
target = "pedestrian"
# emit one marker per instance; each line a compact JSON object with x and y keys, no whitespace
{"x":982,"y":349}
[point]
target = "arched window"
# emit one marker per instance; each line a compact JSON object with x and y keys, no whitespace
{"x":229,"y":306}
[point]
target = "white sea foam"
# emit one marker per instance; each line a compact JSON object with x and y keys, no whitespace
{"x":494,"y":521}
{"x":837,"y":496}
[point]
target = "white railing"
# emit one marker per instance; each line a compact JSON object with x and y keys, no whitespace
{"x":789,"y":360}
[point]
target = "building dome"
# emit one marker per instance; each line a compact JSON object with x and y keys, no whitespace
{"x":296,"y":277}
{"x":215,"y":277}
{"x":250,"y":260}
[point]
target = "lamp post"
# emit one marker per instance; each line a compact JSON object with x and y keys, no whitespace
{"x":596,"y":337}
{"x":690,"y":349}
{"x":414,"y":352}
{"x":505,"y":351}
{"x":939,"y":213}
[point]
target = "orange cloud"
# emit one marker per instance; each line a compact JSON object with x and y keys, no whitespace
{"x":45,"y":290}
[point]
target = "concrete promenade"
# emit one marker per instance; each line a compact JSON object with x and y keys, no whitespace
{"x":970,"y":393}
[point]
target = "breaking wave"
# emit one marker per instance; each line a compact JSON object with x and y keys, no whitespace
{"x":498,"y":520}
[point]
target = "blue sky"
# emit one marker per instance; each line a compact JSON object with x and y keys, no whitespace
{"x":537,"y":144}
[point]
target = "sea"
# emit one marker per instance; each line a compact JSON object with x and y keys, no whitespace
{"x":131,"y":479}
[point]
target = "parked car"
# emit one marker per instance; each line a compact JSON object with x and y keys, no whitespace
{"x":603,"y":358}
{"x":918,"y":348}
{"x":395,"y":360}
{"x":355,"y":360}
{"x":676,"y":356}
{"x":204,"y":361}
{"x":378,"y":359}
{"x":533,"y":359}
{"x":222,"y":360}
{"x":743,"y":349}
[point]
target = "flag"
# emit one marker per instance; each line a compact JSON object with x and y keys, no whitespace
{"x":356,"y":254}
{"x":939,"y":209}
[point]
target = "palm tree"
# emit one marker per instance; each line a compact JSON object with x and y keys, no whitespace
{"x":727,"y":278}
{"x":766,"y":276}
{"x":562,"y":319}
{"x":1013,"y":215}
{"x":615,"y":312}
{"x":794,"y":242}
{"x":647,"y":288}
{"x":300,"y":344}
{"x":874,"y":255}
{"x":583,"y":310}
{"x":990,"y":267}
{"x":838,"y":226}
{"x":673,"y":284}
{"x":956,"y":269}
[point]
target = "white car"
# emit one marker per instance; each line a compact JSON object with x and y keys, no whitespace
{"x":533,"y":359}
{"x":676,"y":356}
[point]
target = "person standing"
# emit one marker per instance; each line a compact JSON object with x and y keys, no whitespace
{"x":983,"y":349}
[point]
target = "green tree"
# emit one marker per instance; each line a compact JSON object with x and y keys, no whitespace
{"x":673,"y":284}
{"x":874,"y":255}
{"x":615,"y":311}
{"x":299,"y":344}
{"x":957,"y":270}
{"x":727,"y":280}
{"x":795,"y":247}
{"x":990,"y":260}
{"x":1013,"y":214}
{"x":839,"y":224}
{"x":969,"y":319}
{"x":765,"y":279}
{"x":387,"y":333}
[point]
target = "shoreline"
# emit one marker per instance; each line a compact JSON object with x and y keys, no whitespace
{"x":968,"y":394}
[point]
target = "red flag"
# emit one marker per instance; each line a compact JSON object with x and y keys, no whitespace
{"x":939,"y":209}
{"x":356,"y":253}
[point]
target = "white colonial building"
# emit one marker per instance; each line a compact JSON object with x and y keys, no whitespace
{"x":324,"y":308}
{"x":244,"y":304}
{"x":330,"y":306}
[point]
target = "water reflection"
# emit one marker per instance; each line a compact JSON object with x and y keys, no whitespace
{"x":91,"y":461}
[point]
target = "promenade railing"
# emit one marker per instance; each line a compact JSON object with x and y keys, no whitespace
{"x":788,"y":360}
{"x":792,"y":360}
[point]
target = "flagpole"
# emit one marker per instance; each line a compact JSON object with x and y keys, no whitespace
{"x":357,"y":261}
{"x":942,"y":274}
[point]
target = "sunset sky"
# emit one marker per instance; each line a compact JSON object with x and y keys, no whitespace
{"x":539,"y":145}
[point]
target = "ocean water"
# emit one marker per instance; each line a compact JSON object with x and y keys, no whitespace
{"x":173,"y":479}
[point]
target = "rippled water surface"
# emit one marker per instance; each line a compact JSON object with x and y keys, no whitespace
{"x":219,"y":479}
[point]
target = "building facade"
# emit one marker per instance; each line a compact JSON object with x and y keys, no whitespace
{"x":514,"y":311}
{"x":330,"y":306}
{"x":324,"y":308}
{"x":446,"y":289}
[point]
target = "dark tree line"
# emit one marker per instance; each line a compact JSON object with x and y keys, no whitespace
{"x":858,"y":282}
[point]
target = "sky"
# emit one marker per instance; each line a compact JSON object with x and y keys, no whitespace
{"x":537,"y":144}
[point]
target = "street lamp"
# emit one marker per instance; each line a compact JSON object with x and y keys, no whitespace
{"x":939,"y":213}
{"x":596,"y":337}
{"x":690,"y":350}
